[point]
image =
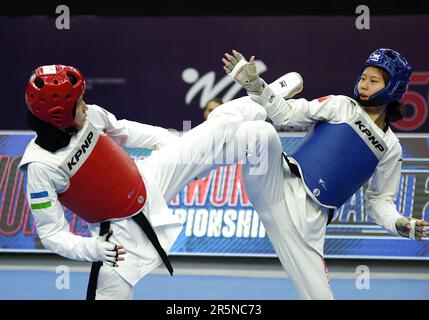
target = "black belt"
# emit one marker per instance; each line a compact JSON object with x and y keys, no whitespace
{"x":295,"y":171}
{"x":95,"y":268}
{"x":145,"y":225}
{"x":293,"y":167}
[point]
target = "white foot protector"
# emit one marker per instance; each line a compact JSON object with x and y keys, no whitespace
{"x":288,"y":85}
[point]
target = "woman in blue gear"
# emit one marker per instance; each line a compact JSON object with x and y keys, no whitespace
{"x":351,"y":143}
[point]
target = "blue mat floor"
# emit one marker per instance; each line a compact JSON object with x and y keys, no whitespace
{"x":41,"y":285}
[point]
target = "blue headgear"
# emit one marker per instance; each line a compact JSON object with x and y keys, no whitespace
{"x":398,"y":73}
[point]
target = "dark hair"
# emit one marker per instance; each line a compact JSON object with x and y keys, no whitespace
{"x":394,"y":110}
{"x":218,"y":100}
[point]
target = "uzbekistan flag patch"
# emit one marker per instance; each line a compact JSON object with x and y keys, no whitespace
{"x":39,"y":200}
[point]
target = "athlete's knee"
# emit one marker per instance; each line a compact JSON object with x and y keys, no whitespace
{"x":225,"y":112}
{"x":262,"y":145}
{"x":223,"y":122}
{"x":239,"y":110}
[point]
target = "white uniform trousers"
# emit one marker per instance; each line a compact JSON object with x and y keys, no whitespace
{"x":295,"y":224}
{"x":227,"y":137}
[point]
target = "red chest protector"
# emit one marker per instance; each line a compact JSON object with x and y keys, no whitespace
{"x":105,"y":182}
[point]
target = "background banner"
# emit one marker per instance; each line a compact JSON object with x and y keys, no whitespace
{"x":162,"y":70}
{"x":218,"y":217}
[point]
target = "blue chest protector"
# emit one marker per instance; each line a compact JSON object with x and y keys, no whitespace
{"x":335,"y":160}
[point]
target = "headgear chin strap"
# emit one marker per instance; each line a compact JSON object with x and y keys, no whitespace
{"x":398,"y":72}
{"x":52,"y":93}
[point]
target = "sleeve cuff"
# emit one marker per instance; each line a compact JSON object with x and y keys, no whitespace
{"x":266,"y":97}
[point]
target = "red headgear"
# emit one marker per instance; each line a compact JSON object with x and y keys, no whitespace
{"x":52,"y":93}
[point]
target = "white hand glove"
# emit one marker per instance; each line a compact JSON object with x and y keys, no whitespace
{"x":108,"y":252}
{"x":244,"y":73}
{"x":411,"y":228}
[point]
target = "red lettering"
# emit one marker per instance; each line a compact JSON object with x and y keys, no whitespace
{"x":11,"y":217}
{"x":197,"y":189}
{"x":417,"y":102}
{"x":419,"y":115}
{"x":419,"y":78}
{"x":220,"y":198}
{"x":238,"y":190}
{"x":28,"y":222}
